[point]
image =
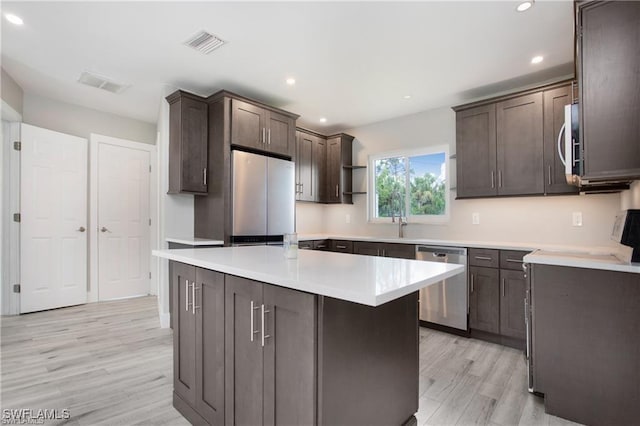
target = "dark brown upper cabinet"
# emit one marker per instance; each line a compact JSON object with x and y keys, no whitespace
{"x":507,"y":146}
{"x":339,"y":175}
{"x":554,"y":101}
{"x":519,"y":145}
{"x":259,"y":128}
{"x":476,"y":151}
{"x":306,"y":172}
{"x":608,"y":66}
{"x":323,"y":167}
{"x":188,"y":143}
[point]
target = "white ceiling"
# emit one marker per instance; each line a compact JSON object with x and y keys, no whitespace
{"x":353,"y":62}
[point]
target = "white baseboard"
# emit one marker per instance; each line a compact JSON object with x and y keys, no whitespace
{"x":164,"y":320}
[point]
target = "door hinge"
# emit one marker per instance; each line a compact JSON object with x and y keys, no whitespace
{"x":17,"y":217}
{"x":149,"y":168}
{"x":149,"y":275}
{"x":17,"y":145}
{"x":16,"y":288}
{"x":149,"y":221}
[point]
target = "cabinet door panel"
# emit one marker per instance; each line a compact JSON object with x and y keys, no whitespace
{"x":194,"y":145}
{"x":280,"y":133}
{"x":554,"y":102}
{"x":512,"y":293}
{"x":320,"y":170}
{"x":248,"y":125}
{"x":476,"y":152}
{"x":399,"y":251}
{"x":184,"y":332}
{"x":519,"y":145}
{"x":334,"y":170}
{"x":484,"y":299}
{"x":368,"y":249}
{"x":243,"y":358}
{"x":610,"y":89}
{"x":305,"y":167}
{"x":210,"y":345}
{"x":289,"y":357}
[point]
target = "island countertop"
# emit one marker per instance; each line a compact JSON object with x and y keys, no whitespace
{"x":368,"y":280}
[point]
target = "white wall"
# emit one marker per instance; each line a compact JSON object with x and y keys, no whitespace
{"x":544,"y":220}
{"x":631,"y":199}
{"x":11,"y":93}
{"x":309,"y":218}
{"x":80,"y":121}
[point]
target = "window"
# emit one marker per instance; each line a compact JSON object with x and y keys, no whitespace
{"x":413,"y":184}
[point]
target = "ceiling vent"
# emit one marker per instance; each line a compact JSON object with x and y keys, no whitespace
{"x":204,"y":42}
{"x":100,"y":82}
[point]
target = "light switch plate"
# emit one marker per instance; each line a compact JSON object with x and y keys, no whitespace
{"x":475,"y":218}
{"x":577,"y":219}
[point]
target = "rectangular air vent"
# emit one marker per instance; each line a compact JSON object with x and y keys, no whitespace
{"x":101,"y":82}
{"x":204,"y":42}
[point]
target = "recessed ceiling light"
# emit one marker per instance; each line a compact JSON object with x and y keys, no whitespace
{"x":291,"y":81}
{"x":323,"y":120}
{"x":536,"y":59}
{"x":14,"y":19}
{"x":407,"y":96}
{"x":525,"y":5}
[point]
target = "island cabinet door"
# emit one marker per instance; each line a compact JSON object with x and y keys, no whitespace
{"x":289,"y":357}
{"x":243,"y":352}
{"x":184,"y":332}
{"x":209,"y":313}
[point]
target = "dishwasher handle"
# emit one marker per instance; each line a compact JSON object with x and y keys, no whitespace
{"x":441,"y":251}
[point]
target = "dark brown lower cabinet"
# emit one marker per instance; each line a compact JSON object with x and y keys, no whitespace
{"x":484,"y":299}
{"x":251,"y":353}
{"x":586,"y":345}
{"x":396,"y":250}
{"x":198,"y":342}
{"x":270,"y":335}
{"x":513,"y":287}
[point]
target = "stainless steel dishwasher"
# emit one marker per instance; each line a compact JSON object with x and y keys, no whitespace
{"x":446,"y":302}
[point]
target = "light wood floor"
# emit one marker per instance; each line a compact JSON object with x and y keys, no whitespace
{"x":110,"y":364}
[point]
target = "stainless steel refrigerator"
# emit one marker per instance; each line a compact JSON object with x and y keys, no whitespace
{"x":263,"y":191}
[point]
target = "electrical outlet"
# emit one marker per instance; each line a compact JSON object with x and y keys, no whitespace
{"x":475,"y":218}
{"x":577,"y":219}
{"x":347,"y":218}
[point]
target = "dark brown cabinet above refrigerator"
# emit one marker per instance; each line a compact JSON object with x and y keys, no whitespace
{"x":188,"y":143}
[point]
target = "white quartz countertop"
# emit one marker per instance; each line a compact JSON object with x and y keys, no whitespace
{"x":580,"y":259}
{"x":191,"y":241}
{"x":367,"y":280}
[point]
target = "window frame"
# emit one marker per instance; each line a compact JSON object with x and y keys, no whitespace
{"x":423,"y":219}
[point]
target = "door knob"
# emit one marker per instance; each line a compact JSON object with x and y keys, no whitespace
{"x":81,"y":229}
{"x":104,"y":229}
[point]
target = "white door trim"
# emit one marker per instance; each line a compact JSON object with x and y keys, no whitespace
{"x":94,"y":141}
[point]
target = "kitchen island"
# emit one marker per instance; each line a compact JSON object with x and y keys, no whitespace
{"x":327,"y":338}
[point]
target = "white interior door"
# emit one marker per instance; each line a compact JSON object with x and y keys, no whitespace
{"x":53,"y":237}
{"x":123,"y":222}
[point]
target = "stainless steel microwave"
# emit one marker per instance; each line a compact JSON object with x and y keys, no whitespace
{"x":571,"y":141}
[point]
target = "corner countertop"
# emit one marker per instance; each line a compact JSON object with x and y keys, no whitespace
{"x":191,"y":241}
{"x":361,"y":279}
{"x":592,"y":257}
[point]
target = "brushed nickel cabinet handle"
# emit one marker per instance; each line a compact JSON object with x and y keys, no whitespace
{"x":514,"y":261}
{"x":337,"y":191}
{"x":504,"y":288}
{"x":472,"y":280}
{"x":186,"y":295}
{"x":549,"y":174}
{"x":341,"y":247}
{"x":204,"y":176}
{"x":253,"y":307}
{"x":269,"y":136}
{"x":264,"y":312}
{"x":499,"y":178}
{"x":493,"y":179}
{"x":483,"y":258}
{"x":263,"y":138}
{"x":193,"y":298}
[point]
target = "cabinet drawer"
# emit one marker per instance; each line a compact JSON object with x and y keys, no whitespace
{"x":342,"y":246}
{"x":321,"y":245}
{"x":484,"y":257}
{"x":512,"y":259}
{"x":305,"y":245}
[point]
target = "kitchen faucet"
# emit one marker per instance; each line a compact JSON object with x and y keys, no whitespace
{"x":402,"y":222}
